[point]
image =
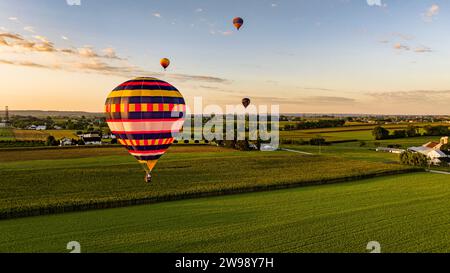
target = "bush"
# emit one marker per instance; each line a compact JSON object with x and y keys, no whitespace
{"x":414,"y":159}
{"x":317,"y":141}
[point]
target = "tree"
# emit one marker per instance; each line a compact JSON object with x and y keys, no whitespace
{"x":399,"y":134}
{"x":380,"y":133}
{"x":413,"y":159}
{"x":446,"y":148}
{"x":436,"y":130}
{"x":412,"y":131}
{"x":317,"y":141}
{"x":51,"y":141}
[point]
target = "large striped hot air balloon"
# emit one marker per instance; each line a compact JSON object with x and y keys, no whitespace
{"x":145,"y":114}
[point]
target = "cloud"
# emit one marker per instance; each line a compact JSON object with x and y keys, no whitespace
{"x":28,"y":53}
{"x":199,"y":10}
{"x":87,"y":52}
{"x":378,"y":3}
{"x":11,"y":36}
{"x":274,"y":5}
{"x":418,"y":97}
{"x":15,"y":19}
{"x":400,"y":46}
{"x":423,"y":49}
{"x":431,"y":13}
{"x":157,"y":15}
{"x":29,"y":29}
{"x":405,"y":37}
{"x":110,"y":53}
{"x":64,"y":38}
{"x":17,"y":41}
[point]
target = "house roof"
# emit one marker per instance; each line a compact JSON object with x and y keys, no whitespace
{"x":431,"y":145}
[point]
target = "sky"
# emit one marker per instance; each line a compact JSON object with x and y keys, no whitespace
{"x":322,"y":56}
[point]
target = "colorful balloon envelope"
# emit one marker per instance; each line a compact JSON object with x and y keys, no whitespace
{"x":246,"y":102}
{"x":145,"y":114}
{"x":238,"y":22}
{"x":165,"y":63}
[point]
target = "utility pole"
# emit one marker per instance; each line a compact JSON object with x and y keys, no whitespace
{"x":6,"y":114}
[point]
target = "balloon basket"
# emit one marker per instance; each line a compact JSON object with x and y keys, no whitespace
{"x":148,"y":178}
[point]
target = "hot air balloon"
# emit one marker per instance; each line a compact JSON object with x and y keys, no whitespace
{"x":246,"y":102}
{"x":165,"y":63}
{"x":145,"y":114}
{"x":238,"y":22}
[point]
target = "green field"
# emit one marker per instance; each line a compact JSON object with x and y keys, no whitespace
{"x":405,"y":213}
{"x":6,"y":134}
{"x":360,"y":133}
{"x":56,"y":180}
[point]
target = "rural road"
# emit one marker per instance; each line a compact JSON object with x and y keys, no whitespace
{"x":438,"y":172}
{"x":294,"y":151}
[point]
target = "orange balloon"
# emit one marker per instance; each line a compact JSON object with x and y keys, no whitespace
{"x":238,"y":22}
{"x":165,"y":63}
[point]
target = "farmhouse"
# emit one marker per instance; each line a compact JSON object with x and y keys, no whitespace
{"x":390,"y":150}
{"x":92,"y":139}
{"x":65,"y":142}
{"x":433,"y":150}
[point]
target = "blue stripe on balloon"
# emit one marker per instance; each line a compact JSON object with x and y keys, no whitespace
{"x":148,"y":86}
{"x":145,"y":136}
{"x":147,"y":148}
{"x":145,"y":158}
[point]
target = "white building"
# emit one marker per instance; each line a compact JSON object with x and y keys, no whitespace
{"x":65,"y":142}
{"x":92,"y":139}
{"x":433,"y":151}
{"x":390,"y":150}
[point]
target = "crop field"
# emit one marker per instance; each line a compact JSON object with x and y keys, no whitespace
{"x":405,"y":213}
{"x":59,"y":134}
{"x":61,"y":179}
{"x":29,"y":135}
{"x":6,"y":134}
{"x":42,"y":135}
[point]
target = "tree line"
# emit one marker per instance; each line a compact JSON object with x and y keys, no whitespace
{"x":326,"y":123}
{"x":381,"y":133}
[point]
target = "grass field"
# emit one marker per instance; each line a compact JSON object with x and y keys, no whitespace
{"x":360,"y":133}
{"x":55,"y":178}
{"x":405,"y":213}
{"x":6,"y":134}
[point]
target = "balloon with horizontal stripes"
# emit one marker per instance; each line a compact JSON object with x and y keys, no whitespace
{"x":145,"y":114}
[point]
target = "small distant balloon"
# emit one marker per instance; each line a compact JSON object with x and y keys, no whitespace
{"x":165,"y":63}
{"x":246,"y":102}
{"x":238,"y":22}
